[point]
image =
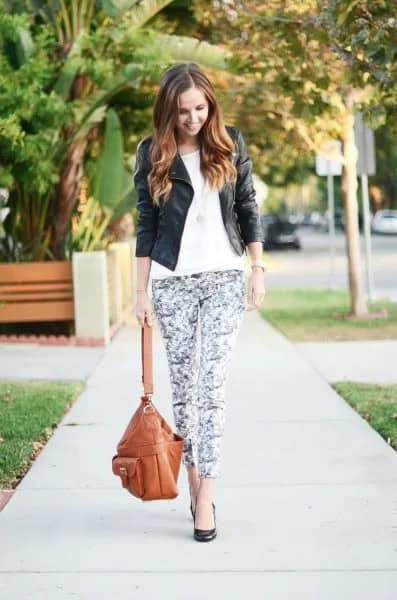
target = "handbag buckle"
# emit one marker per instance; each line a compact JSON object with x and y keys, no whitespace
{"x":148,"y":404}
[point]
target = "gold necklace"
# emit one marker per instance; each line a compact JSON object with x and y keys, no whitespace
{"x":200,"y":213}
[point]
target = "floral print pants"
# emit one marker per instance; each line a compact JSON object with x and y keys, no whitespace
{"x":209,"y":303}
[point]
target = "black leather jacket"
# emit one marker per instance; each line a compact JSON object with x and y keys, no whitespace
{"x":159,"y":229}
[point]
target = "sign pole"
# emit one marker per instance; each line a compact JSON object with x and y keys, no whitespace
{"x":331,"y":212}
{"x":367,"y":235}
{"x":329,"y":163}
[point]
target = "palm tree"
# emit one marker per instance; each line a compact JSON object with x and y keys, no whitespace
{"x":98,"y":30}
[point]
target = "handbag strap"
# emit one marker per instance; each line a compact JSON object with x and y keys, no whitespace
{"x":147,"y":363}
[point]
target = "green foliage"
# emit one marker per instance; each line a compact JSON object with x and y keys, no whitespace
{"x":108,"y":178}
{"x":29,"y":412}
{"x":111,"y":184}
{"x":364,"y":35}
{"x":142,"y":11}
{"x":294,"y":64}
{"x":317,"y":315}
{"x":101,"y":173}
{"x":377,"y":404}
{"x":63,"y":67}
{"x":88,"y":228}
{"x":31,"y":116}
{"x":386,"y":166}
{"x":30,"y":229}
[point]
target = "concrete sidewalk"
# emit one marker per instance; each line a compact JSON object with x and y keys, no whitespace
{"x":37,"y":361}
{"x":372,"y":361}
{"x":306,"y":506}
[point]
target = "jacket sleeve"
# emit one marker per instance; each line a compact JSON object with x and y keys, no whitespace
{"x":246,"y":206}
{"x":147,"y":210}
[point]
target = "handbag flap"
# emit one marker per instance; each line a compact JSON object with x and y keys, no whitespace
{"x":123,"y":465}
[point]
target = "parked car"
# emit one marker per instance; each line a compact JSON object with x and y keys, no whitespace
{"x":279,"y":231}
{"x":384,"y":221}
{"x":339,"y":219}
{"x":311,"y":219}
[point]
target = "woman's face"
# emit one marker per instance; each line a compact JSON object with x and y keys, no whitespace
{"x":192,"y":113}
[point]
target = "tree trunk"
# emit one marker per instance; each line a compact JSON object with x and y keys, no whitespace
{"x":352,"y":233}
{"x":67,"y":195}
{"x":68,"y":189}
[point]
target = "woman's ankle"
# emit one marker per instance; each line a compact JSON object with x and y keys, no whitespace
{"x":194,"y":481}
{"x":206,"y":491}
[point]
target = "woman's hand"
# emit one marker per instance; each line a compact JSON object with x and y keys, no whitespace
{"x":143,"y":309}
{"x":255,"y":289}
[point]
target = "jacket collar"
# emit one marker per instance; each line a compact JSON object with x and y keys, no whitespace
{"x":178,"y":169}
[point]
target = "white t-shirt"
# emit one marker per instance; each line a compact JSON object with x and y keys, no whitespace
{"x":205,"y":245}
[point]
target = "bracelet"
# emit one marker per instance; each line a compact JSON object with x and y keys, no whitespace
{"x":261,"y":265}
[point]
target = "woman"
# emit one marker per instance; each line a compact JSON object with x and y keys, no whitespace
{"x":197,"y":214}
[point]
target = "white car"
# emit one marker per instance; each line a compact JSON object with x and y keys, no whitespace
{"x":384,"y":221}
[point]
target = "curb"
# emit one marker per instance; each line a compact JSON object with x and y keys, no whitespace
{"x":5,"y":496}
{"x":52,"y":340}
{"x":64,"y":340}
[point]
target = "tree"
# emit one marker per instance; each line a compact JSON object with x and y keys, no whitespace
{"x":73,"y":62}
{"x":306,"y":60}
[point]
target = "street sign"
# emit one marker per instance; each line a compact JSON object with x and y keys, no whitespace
{"x":329,"y":159}
{"x":365,"y":142}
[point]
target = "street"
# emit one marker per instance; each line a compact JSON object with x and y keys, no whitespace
{"x":311,"y":266}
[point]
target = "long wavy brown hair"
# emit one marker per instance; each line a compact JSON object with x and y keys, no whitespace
{"x":216,"y":145}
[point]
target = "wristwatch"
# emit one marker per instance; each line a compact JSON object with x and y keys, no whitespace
{"x":260,"y":264}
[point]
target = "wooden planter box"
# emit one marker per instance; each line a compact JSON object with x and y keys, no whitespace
{"x":94,"y":290}
{"x":36,"y":291}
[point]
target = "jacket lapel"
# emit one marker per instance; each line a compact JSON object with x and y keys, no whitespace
{"x":178,"y":170}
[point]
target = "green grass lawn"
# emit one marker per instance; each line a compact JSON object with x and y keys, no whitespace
{"x":375,"y":403}
{"x":308,"y":315}
{"x":29,"y":412}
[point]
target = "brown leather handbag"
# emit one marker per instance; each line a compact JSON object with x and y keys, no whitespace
{"x":149,"y":454}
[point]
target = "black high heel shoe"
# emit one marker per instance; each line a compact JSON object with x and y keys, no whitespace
{"x":205,"y":535}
